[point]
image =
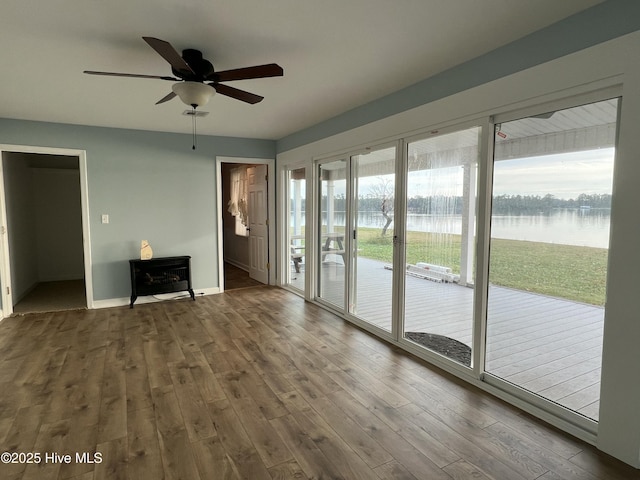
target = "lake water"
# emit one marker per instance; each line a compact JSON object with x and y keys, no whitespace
{"x":565,"y":226}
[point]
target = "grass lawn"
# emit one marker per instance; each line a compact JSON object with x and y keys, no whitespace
{"x":565,"y":271}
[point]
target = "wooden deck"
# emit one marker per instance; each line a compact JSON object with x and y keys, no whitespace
{"x":549,"y":346}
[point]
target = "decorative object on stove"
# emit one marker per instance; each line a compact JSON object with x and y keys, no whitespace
{"x":146,"y":253}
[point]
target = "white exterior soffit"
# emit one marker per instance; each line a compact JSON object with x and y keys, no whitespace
{"x":586,"y":127}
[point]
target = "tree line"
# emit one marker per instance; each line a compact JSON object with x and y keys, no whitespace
{"x":533,"y":204}
{"x":452,"y":205}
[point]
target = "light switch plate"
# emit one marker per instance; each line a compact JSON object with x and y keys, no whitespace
{"x":105,"y":218}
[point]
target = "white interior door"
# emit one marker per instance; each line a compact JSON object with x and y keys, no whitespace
{"x":258,"y":223}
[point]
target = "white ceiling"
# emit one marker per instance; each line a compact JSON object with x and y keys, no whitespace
{"x":336,"y":55}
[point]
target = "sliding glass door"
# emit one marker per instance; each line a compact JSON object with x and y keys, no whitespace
{"x":358,"y":236}
{"x":440,"y":243}
{"x":356,"y":229}
{"x":296,"y":209}
{"x":548,"y":253}
{"x":332,"y":252}
{"x":373,"y":175}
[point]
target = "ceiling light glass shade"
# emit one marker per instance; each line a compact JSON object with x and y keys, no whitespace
{"x":195,"y":94}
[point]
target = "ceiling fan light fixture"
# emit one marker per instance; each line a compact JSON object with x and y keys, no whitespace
{"x":194,"y":94}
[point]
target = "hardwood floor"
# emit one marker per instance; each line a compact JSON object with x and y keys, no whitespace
{"x":255,"y":384}
{"x":235,"y":277}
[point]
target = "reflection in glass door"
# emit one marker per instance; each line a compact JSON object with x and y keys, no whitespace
{"x":371,"y":287}
{"x":440,"y":243}
{"x":552,"y":189}
{"x":332,"y":253}
{"x":296,"y":230}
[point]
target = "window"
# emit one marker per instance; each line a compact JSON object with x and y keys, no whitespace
{"x":331,"y":239}
{"x":440,"y":243}
{"x":237,"y":205}
{"x":552,"y":191}
{"x":296,"y":231}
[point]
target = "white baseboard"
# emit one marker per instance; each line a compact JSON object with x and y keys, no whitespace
{"x":119,"y":302}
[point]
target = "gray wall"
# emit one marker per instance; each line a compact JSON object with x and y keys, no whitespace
{"x":58,"y":229}
{"x":152,"y":185}
{"x":22,"y":225}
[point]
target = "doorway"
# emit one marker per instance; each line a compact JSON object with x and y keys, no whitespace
{"x":45,"y":236}
{"x":245,"y":205}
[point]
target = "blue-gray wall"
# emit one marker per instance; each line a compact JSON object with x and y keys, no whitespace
{"x":152,"y":185}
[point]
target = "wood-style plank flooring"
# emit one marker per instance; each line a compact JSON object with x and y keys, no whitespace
{"x":255,"y":384}
{"x":235,"y":277}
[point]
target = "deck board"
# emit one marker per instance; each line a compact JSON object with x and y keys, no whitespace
{"x":549,"y":346}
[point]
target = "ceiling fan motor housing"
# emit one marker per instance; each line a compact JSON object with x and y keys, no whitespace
{"x":200,"y":66}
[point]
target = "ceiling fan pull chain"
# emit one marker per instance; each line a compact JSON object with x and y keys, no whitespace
{"x":193,"y":121}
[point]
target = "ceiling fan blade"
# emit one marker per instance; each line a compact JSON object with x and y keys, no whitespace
{"x":259,"y":71}
{"x":236,"y":93}
{"x":131,"y":75}
{"x":166,"y":51}
{"x":166,"y":98}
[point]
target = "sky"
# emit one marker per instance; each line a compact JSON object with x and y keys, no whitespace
{"x":564,"y":176}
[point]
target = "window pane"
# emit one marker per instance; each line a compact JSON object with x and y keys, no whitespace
{"x":331,"y":266}
{"x":373,"y":206}
{"x":548,"y":253}
{"x":439,"y":243}
{"x":296,"y":240}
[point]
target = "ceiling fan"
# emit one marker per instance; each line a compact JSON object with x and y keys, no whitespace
{"x":196,"y":78}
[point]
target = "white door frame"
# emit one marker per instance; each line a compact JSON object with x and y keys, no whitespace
{"x":5,"y":264}
{"x":271,"y":198}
